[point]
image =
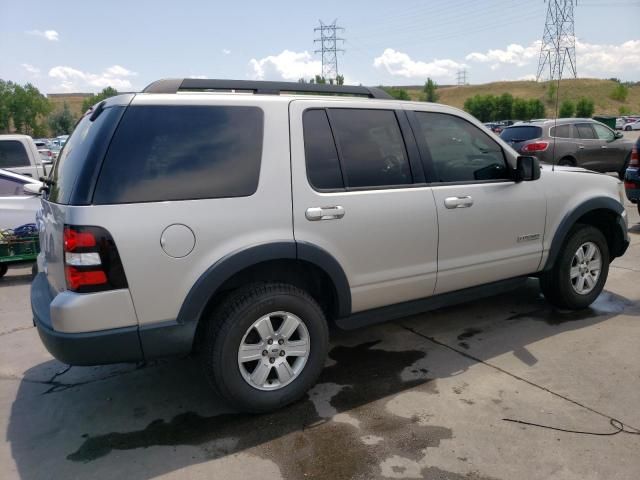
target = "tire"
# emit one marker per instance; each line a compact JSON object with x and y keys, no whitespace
{"x":627,"y":129}
{"x":232,"y":324}
{"x":557,"y":284}
{"x":567,"y":162}
{"x":638,"y":208}
{"x":3,"y":270}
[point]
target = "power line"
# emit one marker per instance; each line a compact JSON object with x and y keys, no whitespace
{"x":558,"y":41}
{"x":329,"y":48}
{"x":462,"y":77}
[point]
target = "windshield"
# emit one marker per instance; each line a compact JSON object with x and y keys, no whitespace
{"x":521,"y":134}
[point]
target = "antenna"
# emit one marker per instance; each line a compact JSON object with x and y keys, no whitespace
{"x":329,"y":48}
{"x":558,"y":41}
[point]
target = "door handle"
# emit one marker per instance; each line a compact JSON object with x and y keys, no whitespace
{"x":314,"y":214}
{"x":458,"y":202}
{"x":603,"y":146}
{"x":581,"y":147}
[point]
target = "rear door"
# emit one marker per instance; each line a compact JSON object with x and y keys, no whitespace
{"x":612,"y":155}
{"x":359,"y":193}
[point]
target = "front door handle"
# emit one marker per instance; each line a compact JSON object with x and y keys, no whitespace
{"x":458,"y":202}
{"x":314,"y":214}
{"x":603,"y":146}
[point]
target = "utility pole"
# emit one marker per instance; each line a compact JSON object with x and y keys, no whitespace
{"x":329,"y":42}
{"x":558,"y":41}
{"x":462,"y":77}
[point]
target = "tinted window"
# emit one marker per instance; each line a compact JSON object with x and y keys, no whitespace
{"x":13,"y":154}
{"x":561,"y":131}
{"x":460,"y":151}
{"x":371,"y":147}
{"x":585,"y":130}
{"x":603,"y":132}
{"x":10,"y":187}
{"x":182,"y":152}
{"x":84,"y":150}
{"x":521,"y":134}
{"x":323,"y":166}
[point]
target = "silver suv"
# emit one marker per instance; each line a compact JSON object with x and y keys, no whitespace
{"x":236,"y":220}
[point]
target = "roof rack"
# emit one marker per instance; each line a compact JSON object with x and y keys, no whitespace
{"x":174,"y":85}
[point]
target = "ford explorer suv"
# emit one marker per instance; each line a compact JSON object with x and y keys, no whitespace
{"x":239,"y":220}
{"x":580,"y":142}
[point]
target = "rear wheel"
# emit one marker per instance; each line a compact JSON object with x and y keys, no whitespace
{"x":3,"y":270}
{"x":265,"y":346}
{"x":580,"y":271}
{"x":567,"y":162}
{"x":627,"y":129}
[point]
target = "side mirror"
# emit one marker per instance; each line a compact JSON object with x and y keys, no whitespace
{"x":527,"y":169}
{"x":618,"y":135}
{"x":32,"y":188}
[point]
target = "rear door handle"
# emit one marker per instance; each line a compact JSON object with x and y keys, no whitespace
{"x":314,"y":214}
{"x":581,"y":147}
{"x":603,"y":146}
{"x":458,"y":202}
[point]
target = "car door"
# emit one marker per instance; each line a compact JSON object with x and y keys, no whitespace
{"x":612,"y":156}
{"x":359,"y":194}
{"x":490,"y":227}
{"x":589,"y":147}
{"x":16,"y":207}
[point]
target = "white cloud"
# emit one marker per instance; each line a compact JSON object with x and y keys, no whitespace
{"x":72,"y":79}
{"x":31,"y":69}
{"x":514,"y":54}
{"x":198,"y":76}
{"x":287,"y":65}
{"x":50,"y":35}
{"x":400,"y":64}
{"x":226,"y":51}
{"x":528,"y":77}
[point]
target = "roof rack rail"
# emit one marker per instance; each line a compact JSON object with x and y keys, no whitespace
{"x":174,"y":85}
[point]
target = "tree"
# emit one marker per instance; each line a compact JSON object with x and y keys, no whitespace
{"x":536,"y":109}
{"x":320,"y":79}
{"x":504,"y":106}
{"x":430,"y":93}
{"x":6,"y":91}
{"x":520,"y":109}
{"x":339,"y":79}
{"x":93,"y":99}
{"x":27,"y":107}
{"x":398,"y":93}
{"x":567,"y":109}
{"x":619,"y":93}
{"x":585,"y":108}
{"x":552,"y":89}
{"x":62,"y":121}
{"x":483,"y":107}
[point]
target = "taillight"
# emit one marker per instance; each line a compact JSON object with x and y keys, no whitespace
{"x":535,"y":147}
{"x":91,"y":260}
{"x":629,"y":185}
{"x":634,"y":162}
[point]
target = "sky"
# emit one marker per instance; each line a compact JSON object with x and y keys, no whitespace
{"x":84,"y":46}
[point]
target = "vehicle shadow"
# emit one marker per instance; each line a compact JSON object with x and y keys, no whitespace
{"x":100,"y":421}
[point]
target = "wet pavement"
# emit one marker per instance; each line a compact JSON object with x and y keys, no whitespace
{"x":435,"y":396}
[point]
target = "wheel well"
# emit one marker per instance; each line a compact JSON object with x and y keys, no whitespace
{"x":299,"y":273}
{"x":605,"y":220}
{"x":568,"y":158}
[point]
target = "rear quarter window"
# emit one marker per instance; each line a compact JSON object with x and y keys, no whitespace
{"x":13,"y":154}
{"x":521,"y":134}
{"x":163,"y":153}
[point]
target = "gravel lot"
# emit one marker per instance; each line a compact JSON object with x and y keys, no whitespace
{"x":423,"y":397}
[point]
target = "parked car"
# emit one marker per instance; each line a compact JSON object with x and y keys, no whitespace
{"x":577,"y":142}
{"x":17,"y":206}
{"x":19,"y":154}
{"x":634,"y":125}
{"x":494,"y":127}
{"x":267,"y":216}
{"x":46,"y":154}
{"x":632,"y":177}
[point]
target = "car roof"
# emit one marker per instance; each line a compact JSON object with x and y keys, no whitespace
{"x":17,"y":176}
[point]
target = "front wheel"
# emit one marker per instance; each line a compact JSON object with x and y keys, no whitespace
{"x":3,"y":270}
{"x":580,"y":271}
{"x":627,"y":129}
{"x":265,"y":346}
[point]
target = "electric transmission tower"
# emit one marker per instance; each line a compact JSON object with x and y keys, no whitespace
{"x":329,"y":43}
{"x":462,"y":77}
{"x":558,"y":41}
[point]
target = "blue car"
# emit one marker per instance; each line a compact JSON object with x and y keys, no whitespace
{"x":632,"y":176}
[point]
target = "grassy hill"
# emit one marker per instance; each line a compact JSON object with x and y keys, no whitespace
{"x":574,"y":89}
{"x":74,"y":100}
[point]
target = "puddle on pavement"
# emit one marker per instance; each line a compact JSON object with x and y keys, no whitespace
{"x":364,"y":377}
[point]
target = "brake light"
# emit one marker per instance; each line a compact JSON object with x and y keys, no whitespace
{"x":535,"y":147}
{"x":634,"y":162}
{"x":629,"y":185}
{"x":91,"y":260}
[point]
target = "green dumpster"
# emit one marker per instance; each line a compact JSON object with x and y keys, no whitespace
{"x":608,"y":121}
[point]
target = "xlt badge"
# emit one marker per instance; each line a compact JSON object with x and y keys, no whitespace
{"x":526,"y":238}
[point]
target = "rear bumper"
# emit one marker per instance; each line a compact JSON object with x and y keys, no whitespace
{"x":86,"y":348}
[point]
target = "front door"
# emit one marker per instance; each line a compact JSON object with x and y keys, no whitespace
{"x":490,"y":227}
{"x":359,"y":194}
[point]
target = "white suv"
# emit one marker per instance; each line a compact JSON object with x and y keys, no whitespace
{"x":237,"y":220}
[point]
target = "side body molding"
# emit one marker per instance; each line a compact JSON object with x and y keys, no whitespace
{"x":176,"y":337}
{"x":598,"y":203}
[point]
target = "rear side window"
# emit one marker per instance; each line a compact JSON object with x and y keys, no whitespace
{"x":323,"y":165}
{"x":521,"y":134}
{"x":10,"y":187}
{"x":561,"y":131}
{"x":585,"y":130}
{"x":13,"y":154}
{"x":371,"y":147}
{"x":182,"y":152}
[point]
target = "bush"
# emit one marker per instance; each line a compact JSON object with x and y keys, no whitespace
{"x":397,"y":93}
{"x":624,"y":110}
{"x":429,"y":90}
{"x":619,"y":93}
{"x":520,"y":109}
{"x":536,"y":109}
{"x":483,"y":107}
{"x":585,"y":108}
{"x":567,"y":109}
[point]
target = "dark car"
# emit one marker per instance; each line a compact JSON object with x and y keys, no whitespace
{"x":632,"y":176}
{"x":494,"y":127}
{"x":578,"y":142}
